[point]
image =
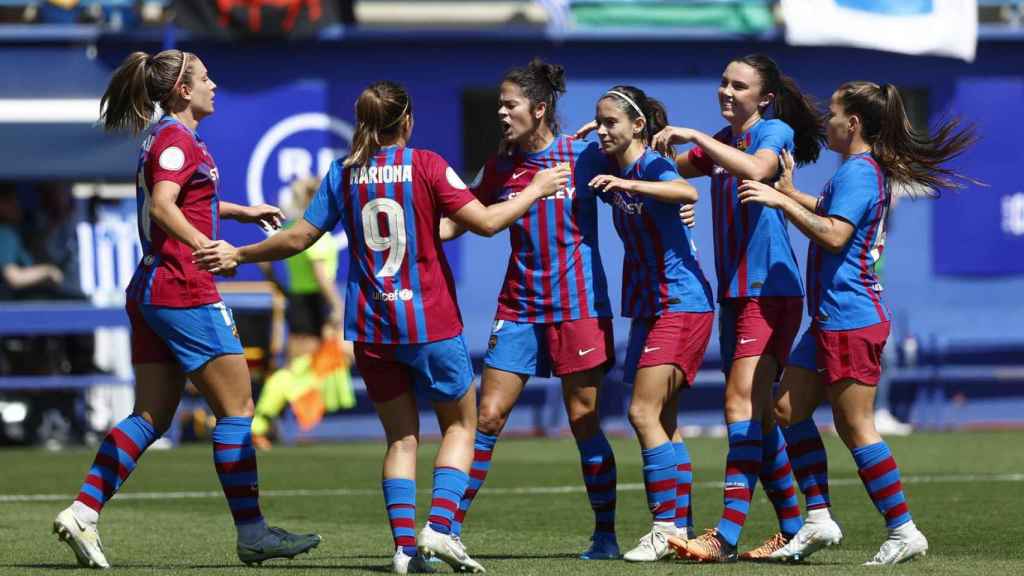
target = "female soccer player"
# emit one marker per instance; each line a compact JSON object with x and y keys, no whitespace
{"x":401,"y":308}
{"x":759,"y":287}
{"x":180,"y":326}
{"x":840,"y":355}
{"x":553,"y":311}
{"x":665,"y":293}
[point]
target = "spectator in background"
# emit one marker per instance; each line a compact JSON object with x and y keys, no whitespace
{"x":314,"y":317}
{"x":20,"y":276}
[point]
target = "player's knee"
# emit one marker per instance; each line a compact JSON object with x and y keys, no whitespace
{"x":783,"y":412}
{"x":406,"y":444}
{"x":584,"y":423}
{"x":490,"y":420}
{"x":642,"y":416}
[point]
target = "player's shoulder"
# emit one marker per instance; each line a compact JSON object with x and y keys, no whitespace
{"x":724,"y":135}
{"x":171,"y":133}
{"x":773,"y":126}
{"x":862,"y":168}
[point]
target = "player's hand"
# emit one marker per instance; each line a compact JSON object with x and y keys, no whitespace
{"x":760,"y":193}
{"x":609,"y":183}
{"x":688,"y":215}
{"x":551,"y":180}
{"x":267,"y":216}
{"x":670,"y":136}
{"x":217,"y":257}
{"x":785,"y":182}
{"x":587,"y":128}
{"x":54,"y":274}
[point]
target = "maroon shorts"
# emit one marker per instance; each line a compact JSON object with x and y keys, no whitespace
{"x":542,"y":349}
{"x":147,"y":346}
{"x":758,"y":326}
{"x":441,"y":370}
{"x":677,"y":338}
{"x":852,"y":354}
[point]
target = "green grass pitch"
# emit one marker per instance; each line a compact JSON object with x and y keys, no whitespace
{"x":966,"y":492}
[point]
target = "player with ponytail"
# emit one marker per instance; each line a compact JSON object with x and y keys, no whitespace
{"x":839,"y":357}
{"x":180,"y":327}
{"x":759,"y":287}
{"x":666,"y":295}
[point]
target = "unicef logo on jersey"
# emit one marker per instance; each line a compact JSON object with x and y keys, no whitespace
{"x":297,"y":146}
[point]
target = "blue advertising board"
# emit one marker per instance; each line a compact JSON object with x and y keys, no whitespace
{"x":979,"y":230}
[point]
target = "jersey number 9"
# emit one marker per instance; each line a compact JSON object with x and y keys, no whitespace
{"x":395,"y":241}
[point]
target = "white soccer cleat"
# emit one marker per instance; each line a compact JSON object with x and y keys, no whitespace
{"x":448,"y":548}
{"x":653,"y":546}
{"x":887,"y":425}
{"x":904,"y":544}
{"x":83,"y":538}
{"x":401,"y":563}
{"x":812,"y":536}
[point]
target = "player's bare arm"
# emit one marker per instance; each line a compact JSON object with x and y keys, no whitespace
{"x":450,"y":229}
{"x":489,"y":220}
{"x":785,"y":183}
{"x":267,"y":216}
{"x":830,"y":233}
{"x":759,"y":166}
{"x":220,"y":257}
{"x":671,"y":192}
{"x":165,"y":212}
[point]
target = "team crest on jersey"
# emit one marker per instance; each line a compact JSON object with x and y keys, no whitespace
{"x":492,"y":342}
{"x":741,"y":144}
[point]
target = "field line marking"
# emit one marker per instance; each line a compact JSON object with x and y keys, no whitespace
{"x":524,"y":490}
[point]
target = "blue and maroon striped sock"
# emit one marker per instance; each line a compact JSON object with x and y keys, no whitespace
{"x":483,"y":447}
{"x":235,"y":460}
{"x":741,"y":467}
{"x":449,"y":487}
{"x":810,"y":463}
{"x":777,"y":479}
{"x":400,"y":500}
{"x":600,"y":477}
{"x":660,"y":481}
{"x":684,"y":485}
{"x":881,"y":477}
{"x":115,"y":460}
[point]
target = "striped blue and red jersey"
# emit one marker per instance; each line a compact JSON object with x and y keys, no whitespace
{"x":753,"y":256}
{"x":554,"y":272}
{"x":400,"y":288}
{"x":166,"y":275}
{"x":843,"y":291}
{"x":660,"y":270}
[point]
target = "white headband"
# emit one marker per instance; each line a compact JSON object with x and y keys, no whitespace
{"x":628,"y":101}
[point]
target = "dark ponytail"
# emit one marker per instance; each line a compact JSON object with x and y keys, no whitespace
{"x":909,"y":158}
{"x":540,"y":82}
{"x":798,"y":110}
{"x":139,"y":84}
{"x":654,"y":114}
{"x":380,"y":110}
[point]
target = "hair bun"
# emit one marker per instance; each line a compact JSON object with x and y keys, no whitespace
{"x":554,"y":74}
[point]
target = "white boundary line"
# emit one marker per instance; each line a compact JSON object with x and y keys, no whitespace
{"x":525,"y":490}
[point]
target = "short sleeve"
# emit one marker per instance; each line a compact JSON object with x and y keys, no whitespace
{"x":174,"y":156}
{"x":700,"y":160}
{"x":660,"y":169}
{"x":323,"y":211}
{"x":774,"y":135}
{"x":446,"y":185}
{"x":856,"y":190}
